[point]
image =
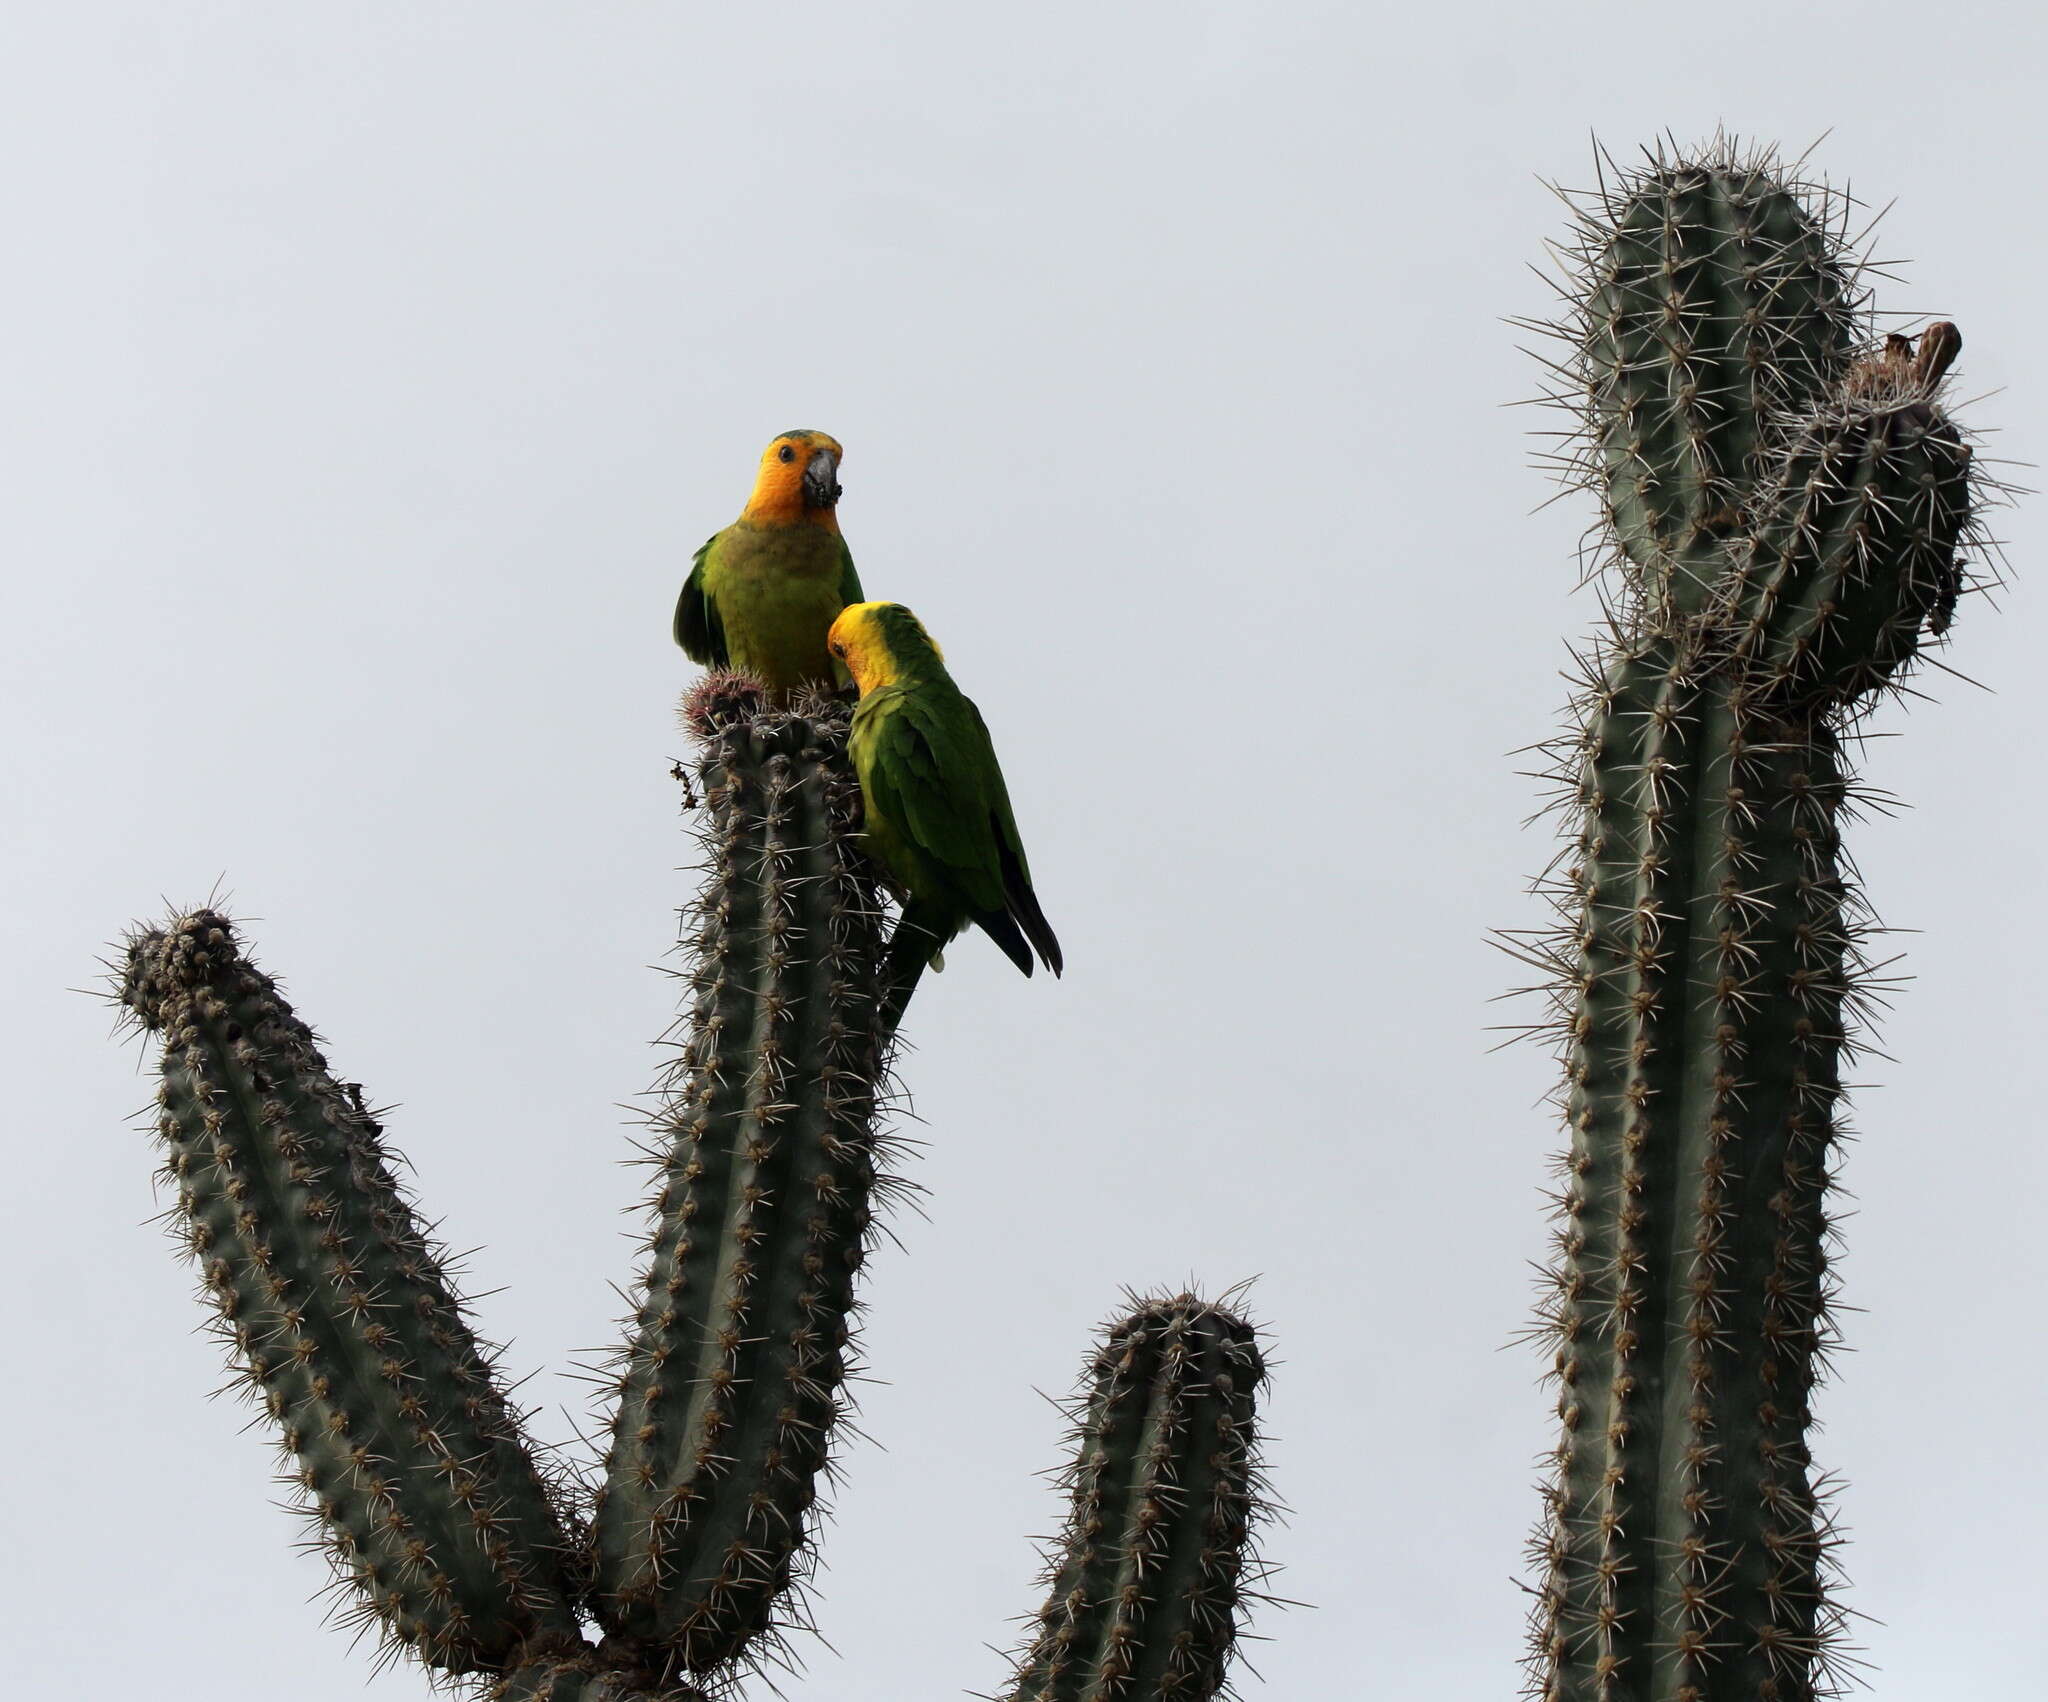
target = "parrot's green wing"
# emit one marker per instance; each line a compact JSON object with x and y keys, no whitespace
{"x":697,"y":627}
{"x":932,"y":767}
{"x":933,"y":780}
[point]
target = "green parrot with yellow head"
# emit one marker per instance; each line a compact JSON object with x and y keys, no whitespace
{"x":936,"y":812}
{"x":763,"y":593}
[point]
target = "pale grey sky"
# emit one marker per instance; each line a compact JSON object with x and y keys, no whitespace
{"x":374,"y":371}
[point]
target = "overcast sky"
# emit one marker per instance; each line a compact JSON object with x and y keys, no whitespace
{"x":373,"y":372}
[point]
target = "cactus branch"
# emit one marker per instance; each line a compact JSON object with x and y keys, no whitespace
{"x":732,"y":1379}
{"x":343,"y":1320}
{"x":1148,"y":1585}
{"x":1710,"y":299}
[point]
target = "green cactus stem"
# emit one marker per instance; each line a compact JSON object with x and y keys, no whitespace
{"x":731,"y":1383}
{"x":1149,"y":1582}
{"x":1684,"y":1554}
{"x":342,"y":1318}
{"x":1785,"y":551}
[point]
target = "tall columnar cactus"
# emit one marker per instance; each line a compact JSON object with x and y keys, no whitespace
{"x":446,"y":1528}
{"x":1787,"y":505}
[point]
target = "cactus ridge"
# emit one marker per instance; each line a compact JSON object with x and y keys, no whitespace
{"x":342,"y":1318}
{"x":1148,"y":1585}
{"x":1782,"y":558}
{"x":767,"y":1156}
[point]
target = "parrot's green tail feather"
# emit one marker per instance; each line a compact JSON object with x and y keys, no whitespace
{"x":1001,"y":927}
{"x":1024,"y":908}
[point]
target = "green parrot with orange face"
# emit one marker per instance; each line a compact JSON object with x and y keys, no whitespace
{"x":763,"y":593}
{"x":936,"y":812}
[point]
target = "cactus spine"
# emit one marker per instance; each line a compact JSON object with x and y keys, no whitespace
{"x":443,"y":1527}
{"x":1787,"y":504}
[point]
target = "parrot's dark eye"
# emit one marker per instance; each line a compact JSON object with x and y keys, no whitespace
{"x":785,"y":453}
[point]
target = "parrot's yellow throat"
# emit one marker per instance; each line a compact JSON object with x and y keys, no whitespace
{"x":798,"y":482}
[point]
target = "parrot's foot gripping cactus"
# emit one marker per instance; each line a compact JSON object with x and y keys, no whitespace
{"x":1791,"y":512}
{"x":448,"y":1529}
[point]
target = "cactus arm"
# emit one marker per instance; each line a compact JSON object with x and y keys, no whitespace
{"x":1148,"y":1583}
{"x":1714,"y":302}
{"x":731,"y":1382}
{"x":1856,"y":536}
{"x":343,"y":1319}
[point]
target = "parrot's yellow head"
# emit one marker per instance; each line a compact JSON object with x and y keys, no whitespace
{"x":880,"y":643}
{"x":798,"y":481}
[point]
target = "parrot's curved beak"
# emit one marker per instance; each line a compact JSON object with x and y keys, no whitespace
{"x":821,"y":479}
